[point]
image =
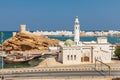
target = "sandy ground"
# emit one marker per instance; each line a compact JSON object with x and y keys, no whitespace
{"x":52,"y":62}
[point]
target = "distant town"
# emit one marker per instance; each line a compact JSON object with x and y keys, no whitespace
{"x":82,"y":33}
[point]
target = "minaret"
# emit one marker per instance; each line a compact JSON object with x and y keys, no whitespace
{"x":76,"y":31}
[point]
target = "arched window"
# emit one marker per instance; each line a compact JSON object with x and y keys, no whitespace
{"x":74,"y":57}
{"x":71,"y":57}
{"x":67,"y":57}
{"x":76,"y":27}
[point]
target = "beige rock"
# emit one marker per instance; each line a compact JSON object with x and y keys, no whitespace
{"x":24,"y":42}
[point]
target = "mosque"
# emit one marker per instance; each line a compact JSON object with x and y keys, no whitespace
{"x":77,"y":52}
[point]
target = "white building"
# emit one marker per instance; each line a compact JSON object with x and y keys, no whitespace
{"x":14,"y":33}
{"x":76,"y":52}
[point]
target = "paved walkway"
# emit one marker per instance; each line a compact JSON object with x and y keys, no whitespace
{"x":60,"y":78}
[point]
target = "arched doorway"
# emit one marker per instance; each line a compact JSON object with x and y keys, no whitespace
{"x":85,"y":59}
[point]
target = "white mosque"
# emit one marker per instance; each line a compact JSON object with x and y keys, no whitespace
{"x":77,"y":52}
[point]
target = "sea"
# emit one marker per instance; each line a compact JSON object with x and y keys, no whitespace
{"x":4,"y":35}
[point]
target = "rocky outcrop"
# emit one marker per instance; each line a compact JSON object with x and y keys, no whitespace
{"x":24,"y":42}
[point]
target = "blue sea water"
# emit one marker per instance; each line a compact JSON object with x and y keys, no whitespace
{"x":111,"y":39}
{"x":8,"y":34}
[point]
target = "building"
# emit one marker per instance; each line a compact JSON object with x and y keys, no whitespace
{"x":14,"y":33}
{"x":76,"y":52}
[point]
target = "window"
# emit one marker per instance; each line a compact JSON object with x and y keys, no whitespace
{"x":67,"y":57}
{"x":71,"y":57}
{"x":74,"y":57}
{"x":76,"y":27}
{"x":76,"y":42}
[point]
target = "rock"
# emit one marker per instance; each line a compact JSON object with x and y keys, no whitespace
{"x":25,"y":41}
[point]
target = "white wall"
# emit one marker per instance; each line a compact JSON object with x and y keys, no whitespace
{"x":74,"y":52}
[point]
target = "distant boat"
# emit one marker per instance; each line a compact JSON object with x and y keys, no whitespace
{"x":63,"y":35}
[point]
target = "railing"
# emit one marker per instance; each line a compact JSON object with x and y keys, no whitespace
{"x":103,"y":64}
{"x":49,"y":69}
{"x":55,"y":69}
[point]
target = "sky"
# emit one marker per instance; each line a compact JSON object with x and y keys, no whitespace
{"x":54,"y":15}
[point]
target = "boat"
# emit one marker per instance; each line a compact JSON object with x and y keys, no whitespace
{"x":13,"y":59}
{"x":2,"y":54}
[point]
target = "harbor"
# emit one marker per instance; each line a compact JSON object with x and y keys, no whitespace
{"x":23,"y":58}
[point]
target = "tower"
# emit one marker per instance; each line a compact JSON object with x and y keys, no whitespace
{"x":23,"y":28}
{"x":76,"y":31}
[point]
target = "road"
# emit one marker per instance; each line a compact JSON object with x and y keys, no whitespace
{"x":64,"y":73}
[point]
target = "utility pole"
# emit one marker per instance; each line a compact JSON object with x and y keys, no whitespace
{"x":2,"y":72}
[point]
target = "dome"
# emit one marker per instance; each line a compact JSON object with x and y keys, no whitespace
{"x":69,"y":42}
